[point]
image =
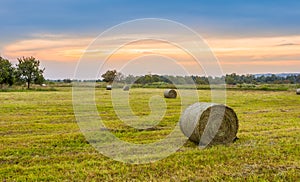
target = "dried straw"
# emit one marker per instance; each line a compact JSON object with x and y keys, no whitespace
{"x":209,"y":123}
{"x":170,"y":93}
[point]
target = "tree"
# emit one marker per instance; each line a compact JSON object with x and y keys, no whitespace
{"x":119,"y":77}
{"x":130,"y":79}
{"x":232,"y":79}
{"x":6,"y":72}
{"x":28,"y":71}
{"x":67,"y":80}
{"x":109,"y":76}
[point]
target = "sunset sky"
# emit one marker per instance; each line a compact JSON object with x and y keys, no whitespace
{"x":245,"y":36}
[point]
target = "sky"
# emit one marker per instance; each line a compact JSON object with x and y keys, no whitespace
{"x":246,"y":37}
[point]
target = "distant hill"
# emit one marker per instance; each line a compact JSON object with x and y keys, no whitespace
{"x":284,"y":75}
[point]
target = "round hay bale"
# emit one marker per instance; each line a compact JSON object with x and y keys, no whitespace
{"x":170,"y":93}
{"x":126,"y":88}
{"x":108,"y":87}
{"x":217,"y":122}
{"x":298,"y":91}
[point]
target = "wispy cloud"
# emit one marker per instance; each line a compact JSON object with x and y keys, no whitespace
{"x":55,"y":48}
{"x":288,"y":44}
{"x":234,"y":54}
{"x":256,"y":46}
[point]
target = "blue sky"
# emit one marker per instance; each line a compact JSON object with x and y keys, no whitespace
{"x":24,"y":19}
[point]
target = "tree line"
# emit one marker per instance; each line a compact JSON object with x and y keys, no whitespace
{"x":27,"y":70}
{"x":231,"y":79}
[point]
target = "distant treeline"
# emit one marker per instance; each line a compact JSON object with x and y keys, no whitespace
{"x":231,"y":79}
{"x":28,"y":71}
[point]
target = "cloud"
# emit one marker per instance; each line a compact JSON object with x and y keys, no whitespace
{"x":235,"y":54}
{"x":287,"y":44}
{"x":255,"y":47}
{"x":48,"y":48}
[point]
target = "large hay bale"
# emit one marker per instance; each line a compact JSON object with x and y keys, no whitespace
{"x":126,"y":88}
{"x":108,"y":87}
{"x":298,"y":91}
{"x":170,"y":93}
{"x":219,"y":122}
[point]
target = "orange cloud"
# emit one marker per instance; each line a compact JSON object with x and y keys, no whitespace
{"x":57,"y":49}
{"x":260,"y":47}
{"x":237,"y":52}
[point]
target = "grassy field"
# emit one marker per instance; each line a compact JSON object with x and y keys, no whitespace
{"x":41,"y":141}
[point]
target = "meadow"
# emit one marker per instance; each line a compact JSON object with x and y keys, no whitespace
{"x":41,"y":141}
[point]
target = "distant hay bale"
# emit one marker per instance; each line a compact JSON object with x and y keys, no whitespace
{"x":298,"y":91}
{"x":126,"y":88}
{"x":195,"y":119}
{"x":170,"y":93}
{"x":108,"y":87}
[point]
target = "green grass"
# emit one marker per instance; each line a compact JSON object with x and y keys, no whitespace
{"x":28,"y":90}
{"x":40,"y":140}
